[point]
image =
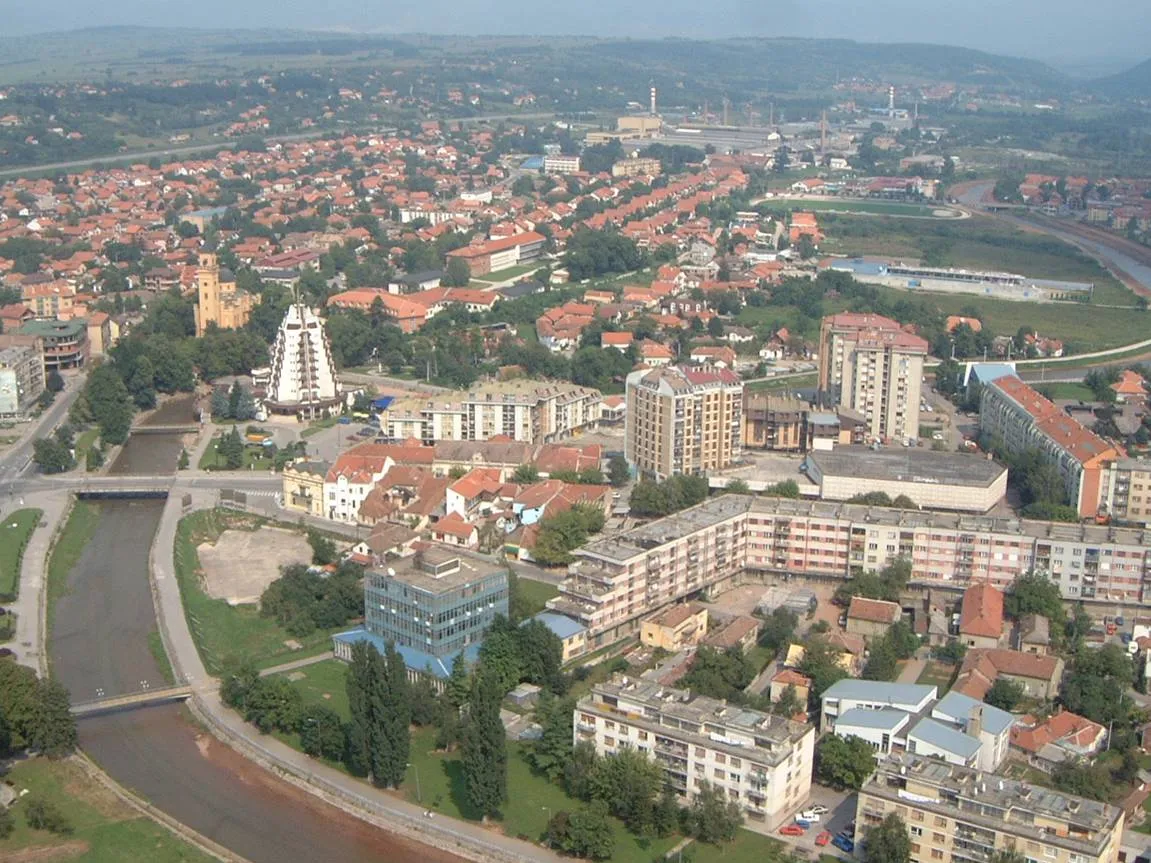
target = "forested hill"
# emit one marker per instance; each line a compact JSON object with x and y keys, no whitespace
{"x":1134,"y":83}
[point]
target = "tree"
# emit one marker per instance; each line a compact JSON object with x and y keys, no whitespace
{"x":844,"y":763}
{"x":1034,"y":593}
{"x":712,"y":817}
{"x":426,"y":704}
{"x":362,"y":677}
{"x":1004,"y":694}
{"x":323,"y":548}
{"x":526,"y":474}
{"x":457,"y":274}
{"x":239,"y":676}
{"x":484,"y":747}
{"x":53,"y":729}
{"x":736,"y":486}
{"x":54,"y":382}
{"x":788,"y":704}
{"x":777,"y":630}
{"x":550,"y":753}
{"x":321,"y":732}
{"x":231,"y":447}
{"x":273,"y":704}
{"x":42,"y":814}
{"x":821,"y":663}
{"x":7,"y":825}
{"x":396,"y":719}
{"x":52,"y":456}
{"x":107,"y":400}
{"x":720,"y":674}
{"x":882,"y":663}
{"x":184,"y":460}
{"x":617,"y":470}
{"x":459,"y":683}
{"x":888,"y":842}
{"x":587,"y":833}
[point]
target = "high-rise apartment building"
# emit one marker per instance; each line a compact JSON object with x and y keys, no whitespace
{"x":960,"y":815}
{"x":218,"y":300}
{"x":683,"y":421}
{"x":21,"y":379}
{"x":869,"y":364}
{"x":761,"y":762}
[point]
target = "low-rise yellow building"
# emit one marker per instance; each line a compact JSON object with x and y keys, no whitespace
{"x":303,"y":487}
{"x":675,"y":628}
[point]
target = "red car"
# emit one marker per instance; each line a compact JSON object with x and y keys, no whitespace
{"x":791,"y":830}
{"x":823,"y":838}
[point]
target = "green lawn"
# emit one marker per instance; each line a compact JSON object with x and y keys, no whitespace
{"x":536,"y":593}
{"x":7,"y":627}
{"x":512,"y":272}
{"x":15,"y":532}
{"x":78,"y":530}
{"x":221,"y":630}
{"x":156,"y":648}
{"x":318,"y":426}
{"x":254,"y":458}
{"x":786,"y":383}
{"x":1066,"y":390}
{"x":938,"y":674}
{"x":105,"y":830}
{"x":85,"y":442}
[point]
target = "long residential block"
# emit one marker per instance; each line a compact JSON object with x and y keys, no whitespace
{"x":617,"y":580}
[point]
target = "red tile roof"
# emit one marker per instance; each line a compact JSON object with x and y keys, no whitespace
{"x":873,"y":610}
{"x":982,"y":612}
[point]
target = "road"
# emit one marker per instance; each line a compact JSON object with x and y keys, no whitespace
{"x":145,"y":155}
{"x":18,"y":459}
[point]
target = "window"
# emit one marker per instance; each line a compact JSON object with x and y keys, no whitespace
{"x":720,"y":758}
{"x":940,"y":821}
{"x":936,"y":854}
{"x":916,"y":815}
{"x":938,"y":838}
{"x":916,"y":831}
{"x":1050,"y":852}
{"x":719,"y":774}
{"x":609,"y":741}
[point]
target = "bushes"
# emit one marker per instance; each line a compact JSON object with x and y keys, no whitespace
{"x":302,"y":601}
{"x":43,"y":814}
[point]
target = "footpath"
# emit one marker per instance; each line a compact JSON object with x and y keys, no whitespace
{"x":358,"y":798}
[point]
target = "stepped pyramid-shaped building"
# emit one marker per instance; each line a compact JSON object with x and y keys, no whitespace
{"x":303,"y":376}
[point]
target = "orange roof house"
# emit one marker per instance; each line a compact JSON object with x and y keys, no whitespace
{"x":981,"y":618}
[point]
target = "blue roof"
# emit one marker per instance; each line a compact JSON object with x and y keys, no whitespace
{"x":564,"y":627}
{"x":882,"y":720}
{"x":942,"y":737}
{"x":383,"y":402}
{"x":416,"y":660}
{"x":879,"y":691}
{"x":532,"y":163}
{"x":956,"y":707}
{"x":985,"y":373}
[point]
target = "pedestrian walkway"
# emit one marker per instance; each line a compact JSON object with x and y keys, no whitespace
{"x":298,"y":663}
{"x":30,"y":605}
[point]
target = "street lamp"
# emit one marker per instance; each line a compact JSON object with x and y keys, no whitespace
{"x":419,"y":795}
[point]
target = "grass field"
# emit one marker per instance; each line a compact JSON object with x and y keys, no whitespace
{"x":7,"y":627}
{"x":937,"y":674}
{"x":513,"y":272}
{"x":878,"y":208}
{"x":15,"y":532}
{"x":78,"y":530}
{"x":84,"y":442}
{"x":977,"y":243}
{"x":319,"y":425}
{"x":156,"y":648}
{"x":221,"y":630}
{"x":536,"y":593}
{"x":104,"y":829}
{"x":785,"y":383}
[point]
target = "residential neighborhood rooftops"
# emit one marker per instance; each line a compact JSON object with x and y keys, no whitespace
{"x":873,"y":610}
{"x":982,"y":612}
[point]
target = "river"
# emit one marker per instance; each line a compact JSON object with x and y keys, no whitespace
{"x":99,"y":647}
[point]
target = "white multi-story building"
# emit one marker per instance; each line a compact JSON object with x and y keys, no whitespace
{"x":527,"y":411}
{"x":303,"y":375}
{"x":760,"y":761}
{"x":558,"y":163}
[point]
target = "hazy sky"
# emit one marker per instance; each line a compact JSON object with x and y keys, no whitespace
{"x":1054,"y":30}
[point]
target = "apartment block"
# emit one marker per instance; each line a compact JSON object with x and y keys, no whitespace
{"x":774,"y":422}
{"x":683,"y":421}
{"x":762,"y":762}
{"x":21,"y":379}
{"x":869,"y":364}
{"x":616,"y":580}
{"x":1016,"y":417}
{"x":638,"y":167}
{"x":1128,"y":491}
{"x":561,"y":164}
{"x":65,"y":342}
{"x":962,"y":815}
{"x":528,"y":411}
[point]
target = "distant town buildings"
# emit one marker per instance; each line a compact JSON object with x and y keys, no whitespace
{"x":559,"y":163}
{"x":870,"y":364}
{"x":494,"y":255}
{"x":683,"y":420}
{"x":638,"y":167}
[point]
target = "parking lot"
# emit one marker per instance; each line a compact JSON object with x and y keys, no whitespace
{"x":842,"y":813}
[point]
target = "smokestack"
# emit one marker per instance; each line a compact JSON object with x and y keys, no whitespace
{"x":653,"y":101}
{"x":891,"y":101}
{"x":823,"y":132}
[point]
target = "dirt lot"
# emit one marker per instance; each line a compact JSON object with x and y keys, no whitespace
{"x":744,"y":599}
{"x":243,"y":563}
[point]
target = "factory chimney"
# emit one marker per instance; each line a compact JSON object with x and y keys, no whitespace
{"x":823,"y":132}
{"x":891,"y":101}
{"x":653,"y":101}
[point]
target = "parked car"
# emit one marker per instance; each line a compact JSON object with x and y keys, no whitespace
{"x":818,"y":809}
{"x":791,"y":830}
{"x":823,"y":838}
{"x":345,"y":421}
{"x":802,"y":822}
{"x":843,"y":844}
{"x":808,"y":815}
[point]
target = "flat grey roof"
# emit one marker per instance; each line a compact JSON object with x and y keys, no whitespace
{"x":957,"y":707}
{"x":408,"y":570}
{"x":908,"y":464}
{"x":879,"y":690}
{"x":886,"y":719}
{"x":942,"y":737}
